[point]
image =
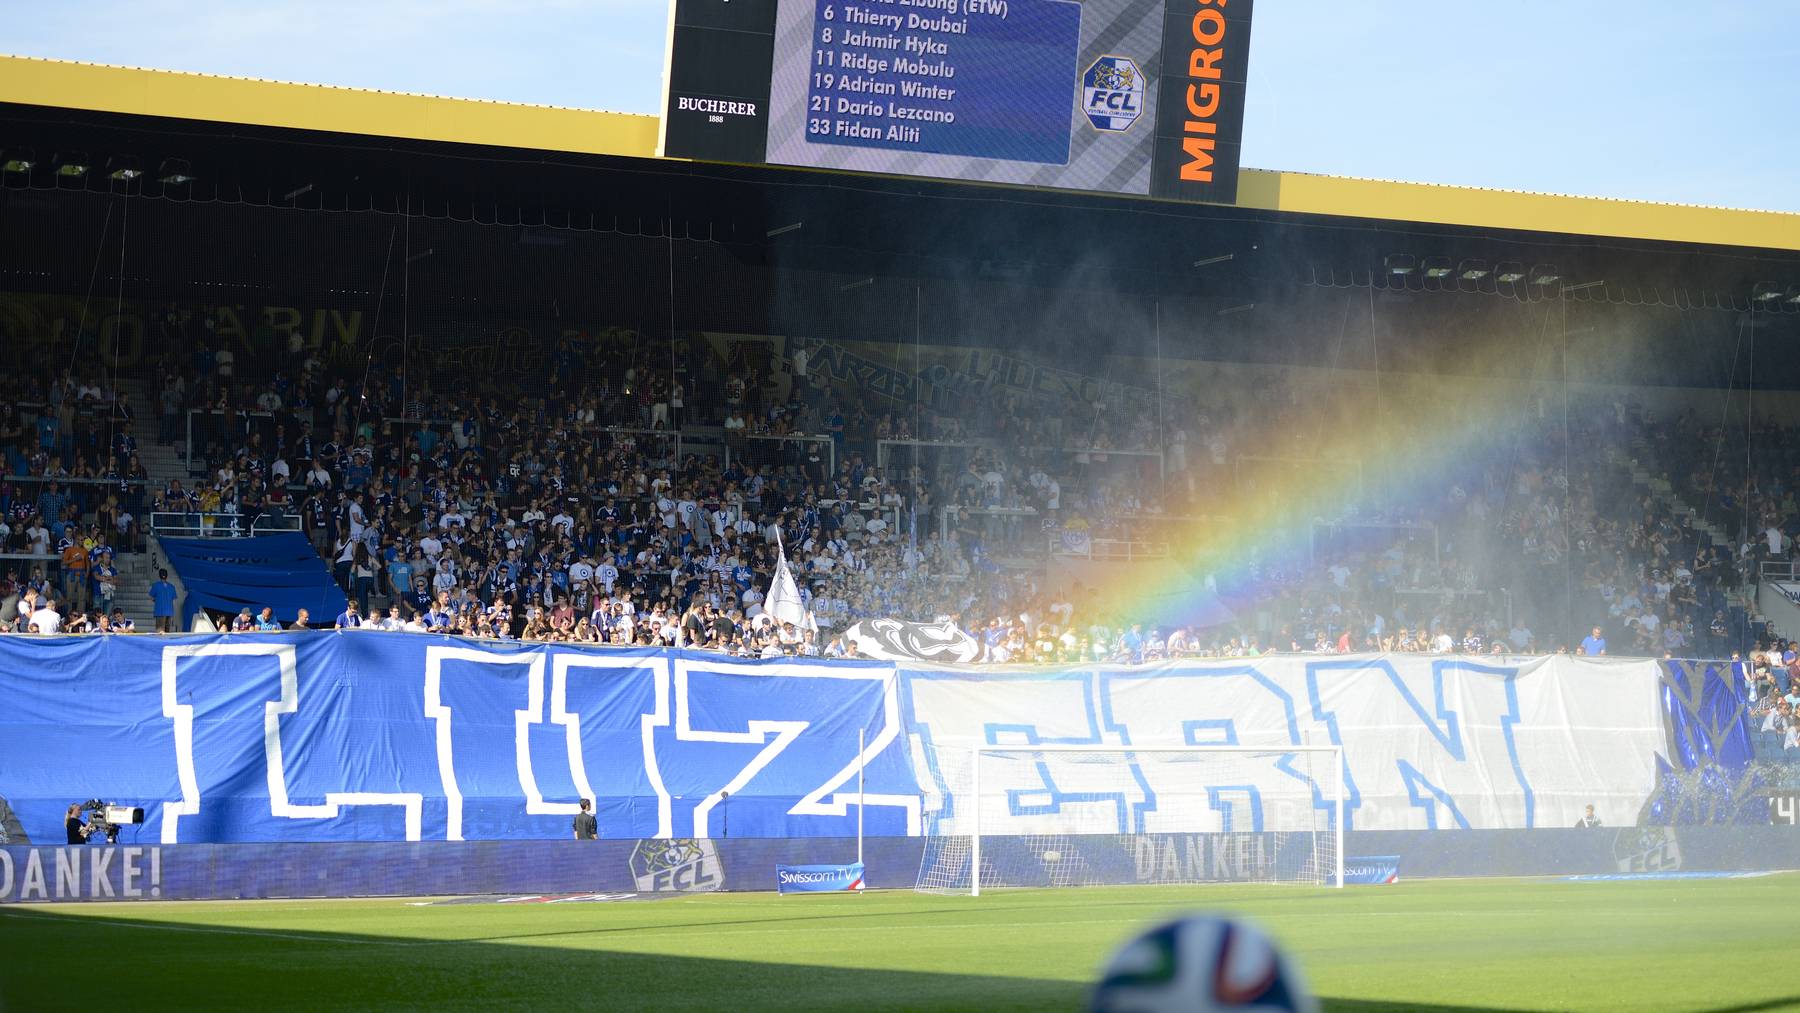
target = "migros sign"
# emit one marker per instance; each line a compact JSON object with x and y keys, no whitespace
{"x":1200,"y":99}
{"x":1209,"y":30}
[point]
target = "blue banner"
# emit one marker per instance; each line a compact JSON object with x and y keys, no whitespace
{"x":1371,"y":870}
{"x":361,"y":735}
{"x":282,"y":571}
{"x":364,"y":736}
{"x":819,"y":878}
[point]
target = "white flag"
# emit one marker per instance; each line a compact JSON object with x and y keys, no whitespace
{"x":783,"y":602}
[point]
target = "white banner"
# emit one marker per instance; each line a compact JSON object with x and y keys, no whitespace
{"x":1428,"y":742}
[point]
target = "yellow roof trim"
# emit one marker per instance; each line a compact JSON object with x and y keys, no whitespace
{"x":1515,"y":209}
{"x":180,"y":95}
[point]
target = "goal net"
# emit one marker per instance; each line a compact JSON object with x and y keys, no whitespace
{"x":1041,"y":815}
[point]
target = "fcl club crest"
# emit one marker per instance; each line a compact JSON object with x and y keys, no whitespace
{"x":682,"y":865}
{"x":1647,"y":849}
{"x":1112,"y":93}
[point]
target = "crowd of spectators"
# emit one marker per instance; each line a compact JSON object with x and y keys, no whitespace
{"x":565,"y":512}
{"x":71,"y":492}
{"x":36,"y":609}
{"x":1772,"y":680}
{"x":69,"y":453}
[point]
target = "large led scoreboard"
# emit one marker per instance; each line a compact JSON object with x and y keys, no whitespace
{"x":1119,"y":96}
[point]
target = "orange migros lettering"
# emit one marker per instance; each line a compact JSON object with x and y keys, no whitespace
{"x":1204,"y":110}
{"x":1198,"y":167}
{"x":1209,"y":29}
{"x":1200,"y":63}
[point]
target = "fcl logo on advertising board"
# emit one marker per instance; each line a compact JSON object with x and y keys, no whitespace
{"x":688,"y":866}
{"x":1112,"y":93}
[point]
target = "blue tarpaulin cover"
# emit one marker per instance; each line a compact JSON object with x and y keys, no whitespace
{"x":282,"y":571}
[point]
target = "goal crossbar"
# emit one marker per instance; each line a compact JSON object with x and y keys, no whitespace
{"x":1334,"y":752}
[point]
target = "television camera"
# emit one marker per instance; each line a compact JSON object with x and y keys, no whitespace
{"x":106,"y":818}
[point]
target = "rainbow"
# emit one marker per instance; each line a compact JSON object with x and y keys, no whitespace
{"x":1401,"y":436}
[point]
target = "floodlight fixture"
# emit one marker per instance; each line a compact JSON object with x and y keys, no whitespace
{"x":174,"y":172}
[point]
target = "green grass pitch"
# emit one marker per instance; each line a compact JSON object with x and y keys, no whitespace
{"x":1713,"y":944}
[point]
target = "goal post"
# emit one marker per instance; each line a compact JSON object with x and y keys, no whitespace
{"x":1041,"y":815}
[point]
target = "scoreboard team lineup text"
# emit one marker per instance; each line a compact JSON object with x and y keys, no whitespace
{"x":1121,"y":96}
{"x":859,"y":70}
{"x":916,"y":46}
{"x":958,"y":77}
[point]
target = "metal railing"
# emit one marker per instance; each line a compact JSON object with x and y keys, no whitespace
{"x":885,"y":448}
{"x":675,"y":441}
{"x":827,"y":442}
{"x":1124,"y":549}
{"x":68,"y":480}
{"x":1097,"y":455}
{"x":200,"y":524}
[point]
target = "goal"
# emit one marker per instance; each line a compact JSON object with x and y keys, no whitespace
{"x":1039,"y":815}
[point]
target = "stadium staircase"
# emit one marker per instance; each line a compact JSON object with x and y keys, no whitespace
{"x":163,"y":463}
{"x":137,"y":571}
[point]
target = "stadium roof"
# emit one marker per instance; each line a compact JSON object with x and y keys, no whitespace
{"x":209,"y":98}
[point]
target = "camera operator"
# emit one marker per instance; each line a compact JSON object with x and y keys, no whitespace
{"x":100,"y":823}
{"x":77,"y":830}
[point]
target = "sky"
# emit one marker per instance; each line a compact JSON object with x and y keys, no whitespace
{"x":1645,"y":100}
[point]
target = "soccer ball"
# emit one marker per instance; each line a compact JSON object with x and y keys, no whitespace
{"x":1200,"y":962}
